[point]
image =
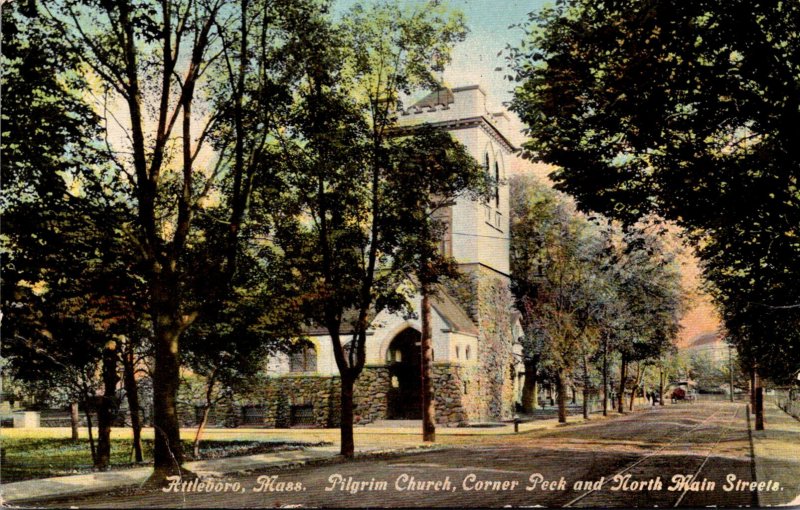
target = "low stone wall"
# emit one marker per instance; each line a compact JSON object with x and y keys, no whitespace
{"x":283,"y":398}
{"x":314,"y":401}
{"x":457,"y":394}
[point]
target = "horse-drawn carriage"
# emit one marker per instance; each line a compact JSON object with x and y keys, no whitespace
{"x":680,"y":393}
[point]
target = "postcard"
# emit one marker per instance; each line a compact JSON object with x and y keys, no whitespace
{"x":389,"y":254}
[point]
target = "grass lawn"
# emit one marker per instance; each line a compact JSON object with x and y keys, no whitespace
{"x":42,"y":453}
{"x":48,"y":451}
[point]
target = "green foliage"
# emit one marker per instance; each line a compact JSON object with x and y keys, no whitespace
{"x":258,"y":317}
{"x":690,"y":112}
{"x":363,"y":192}
{"x":555,"y":256}
{"x":588,"y":291}
{"x":648,"y":279}
{"x":70,"y":283}
{"x":395,"y":49}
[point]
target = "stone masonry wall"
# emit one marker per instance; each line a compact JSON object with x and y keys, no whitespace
{"x":495,"y":344}
{"x":455,"y":390}
{"x":322,"y":393}
{"x":370,"y":395}
{"x":486,"y":297}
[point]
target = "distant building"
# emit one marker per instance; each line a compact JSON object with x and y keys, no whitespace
{"x":474,"y":324}
{"x":710,"y":344}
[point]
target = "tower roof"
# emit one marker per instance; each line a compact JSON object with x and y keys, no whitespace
{"x":443,"y":96}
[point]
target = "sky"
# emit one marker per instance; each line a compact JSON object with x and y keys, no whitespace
{"x":475,"y":60}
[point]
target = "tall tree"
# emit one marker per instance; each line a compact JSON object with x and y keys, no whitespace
{"x":67,"y":269}
{"x":682,"y":110}
{"x":649,"y":283}
{"x":366,"y":191}
{"x":555,"y":261}
{"x":188,"y":91}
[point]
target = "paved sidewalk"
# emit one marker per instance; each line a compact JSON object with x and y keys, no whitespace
{"x":777,"y":456}
{"x":112,"y":480}
{"x":369,"y":442}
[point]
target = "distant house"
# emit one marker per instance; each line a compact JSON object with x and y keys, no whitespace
{"x":476,"y":377}
{"x":710,"y":344}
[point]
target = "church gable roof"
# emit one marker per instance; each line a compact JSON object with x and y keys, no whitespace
{"x":445,"y":306}
{"x":452,"y":313}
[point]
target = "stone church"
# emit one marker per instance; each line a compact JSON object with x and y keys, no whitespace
{"x":476,"y":369}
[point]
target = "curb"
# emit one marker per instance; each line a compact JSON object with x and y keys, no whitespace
{"x":753,"y":470}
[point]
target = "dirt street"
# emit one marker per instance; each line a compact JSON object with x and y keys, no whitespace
{"x":687,"y":455}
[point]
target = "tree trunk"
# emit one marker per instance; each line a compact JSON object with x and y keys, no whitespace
{"x":759,"y":408}
{"x":585,"y":388}
{"x":636,"y":382}
{"x":200,"y":428}
{"x":730,"y":370}
{"x":347,"y":449}
{"x":759,"y":401}
{"x":530,"y":395}
{"x":212,"y":379}
{"x":562,"y":397}
{"x":428,"y":404}
{"x":622,"y":376}
{"x":661,"y":387}
{"x":167,"y":449}
{"x":107,"y":408}
{"x":74,"y":420}
{"x":92,"y":449}
{"x":605,"y":377}
{"x":132,"y":395}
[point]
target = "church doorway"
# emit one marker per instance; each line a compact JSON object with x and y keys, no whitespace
{"x":403,"y":359}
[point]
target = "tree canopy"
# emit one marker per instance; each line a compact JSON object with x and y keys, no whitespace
{"x":689,"y":112}
{"x":365,"y":191}
{"x":587,"y":289}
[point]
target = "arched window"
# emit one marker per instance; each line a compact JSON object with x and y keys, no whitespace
{"x":458,"y":352}
{"x":488,"y":169}
{"x":303,"y":358}
{"x":466,"y":352}
{"x":496,"y":184}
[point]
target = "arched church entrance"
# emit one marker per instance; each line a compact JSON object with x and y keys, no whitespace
{"x":403,"y":359}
